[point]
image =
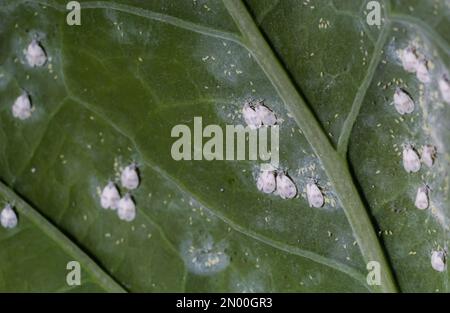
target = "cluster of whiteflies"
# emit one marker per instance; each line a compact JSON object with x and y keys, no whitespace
{"x":412,"y":164}
{"x":278,"y":182}
{"x":8,"y":218}
{"x":36,"y":57}
{"x":22,"y":109}
{"x":257,"y":114}
{"x":110,"y":196}
{"x":270,"y":181}
{"x":414,"y":62}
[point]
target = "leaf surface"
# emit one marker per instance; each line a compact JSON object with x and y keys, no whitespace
{"x":114,"y":88}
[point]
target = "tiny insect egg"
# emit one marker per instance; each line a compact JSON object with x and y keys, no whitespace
{"x":126,"y":209}
{"x":21,"y":108}
{"x":110,"y":196}
{"x":403,"y":102}
{"x":266,"y":181}
{"x":422,"y":198}
{"x":8,"y":217}
{"x":286,"y":188}
{"x":35,"y":54}
{"x":129,"y":177}
{"x":411,"y":161}
{"x":438,"y":260}
{"x":314,"y":195}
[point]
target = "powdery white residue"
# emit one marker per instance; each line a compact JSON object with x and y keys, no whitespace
{"x":204,"y":256}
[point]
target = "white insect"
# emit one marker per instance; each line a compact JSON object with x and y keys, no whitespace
{"x":8,"y":217}
{"x":126,"y":209}
{"x":251,"y":117}
{"x":110,"y":196}
{"x":286,"y":188}
{"x":409,"y":59}
{"x":314,"y":195}
{"x":130,"y":177}
{"x":422,"y":202}
{"x":438,"y":261}
{"x":428,"y":155}
{"x":21,"y":108}
{"x":266,"y":181}
{"x":422,"y":72}
{"x":35,"y":54}
{"x":265,"y":114}
{"x":444,"y":87}
{"x":404,"y":104}
{"x":411,"y":161}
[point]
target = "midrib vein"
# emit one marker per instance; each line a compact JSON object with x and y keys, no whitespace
{"x":334,"y":165}
{"x":344,"y":137}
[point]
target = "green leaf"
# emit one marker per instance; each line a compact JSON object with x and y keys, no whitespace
{"x":115,"y":86}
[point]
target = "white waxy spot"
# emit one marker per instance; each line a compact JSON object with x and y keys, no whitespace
{"x":422,"y":72}
{"x":411,"y":161}
{"x":285,"y":186}
{"x":265,"y":114}
{"x":252,"y":118}
{"x":422,"y":201}
{"x":126,"y":209}
{"x":35,"y":54}
{"x":204,"y":257}
{"x":438,"y":261}
{"x":314,"y":195}
{"x":266,"y":181}
{"x":129,"y":177}
{"x":428,"y":155}
{"x":8,"y":217}
{"x":110,"y":196}
{"x":21,"y":108}
{"x":404,"y":104}
{"x":444,"y":87}
{"x":409,"y":59}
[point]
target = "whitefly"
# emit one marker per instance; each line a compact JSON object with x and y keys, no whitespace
{"x":286,"y":188}
{"x":314,"y":195}
{"x":403,"y":102}
{"x":411,"y":161}
{"x":8,"y":218}
{"x":126,"y":208}
{"x":22,"y":108}
{"x":35,"y":54}
{"x":129,"y":177}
